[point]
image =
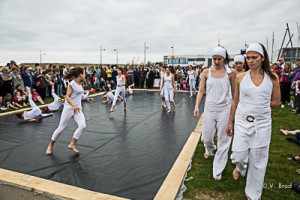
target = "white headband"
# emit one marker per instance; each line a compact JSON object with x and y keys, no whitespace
{"x":219,"y":51}
{"x":255,"y":47}
{"x":239,"y":58}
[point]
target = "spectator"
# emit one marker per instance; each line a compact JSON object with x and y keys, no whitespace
{"x":109,"y":73}
{"x":1,"y":104}
{"x":151,"y":78}
{"x":36,"y":97}
{"x":136,"y":76}
{"x":16,"y":77}
{"x":40,"y":83}
{"x":59,"y":83}
{"x":7,"y":81}
{"x":285,"y":84}
{"x":27,"y":78}
{"x":18,"y":100}
{"x":8,"y":102}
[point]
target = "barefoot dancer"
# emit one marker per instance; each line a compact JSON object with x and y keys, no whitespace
{"x":192,"y":77}
{"x":169,"y":88}
{"x":218,"y":84}
{"x":30,"y":116}
{"x":72,"y":108}
{"x":121,"y":82}
{"x":257,"y":90}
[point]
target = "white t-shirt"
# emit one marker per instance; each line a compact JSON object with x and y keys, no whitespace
{"x":75,"y":96}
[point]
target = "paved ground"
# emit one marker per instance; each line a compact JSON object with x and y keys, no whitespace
{"x":12,"y":193}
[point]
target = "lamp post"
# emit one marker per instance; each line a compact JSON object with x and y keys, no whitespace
{"x":101,"y":54}
{"x":41,"y":54}
{"x":145,"y":53}
{"x":116,"y":50}
{"x":172,"y":47}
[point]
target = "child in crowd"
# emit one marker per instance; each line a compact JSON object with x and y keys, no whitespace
{"x":112,"y":85}
{"x":102,"y":84}
{"x":36,"y":97}
{"x":18,"y":100}
{"x":1,"y":104}
{"x":184,"y":85}
{"x":8,"y":101}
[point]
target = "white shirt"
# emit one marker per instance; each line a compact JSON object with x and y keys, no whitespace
{"x":75,"y":96}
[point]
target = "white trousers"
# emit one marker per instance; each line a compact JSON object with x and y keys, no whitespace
{"x":120,"y":90}
{"x":66,"y":115}
{"x":169,"y":97}
{"x":255,"y":160}
{"x":192,"y":86}
{"x":216,"y":121}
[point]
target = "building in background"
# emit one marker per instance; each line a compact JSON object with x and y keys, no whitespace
{"x":186,"y":60}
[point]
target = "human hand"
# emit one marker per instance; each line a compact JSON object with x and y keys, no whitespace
{"x":196,"y":112}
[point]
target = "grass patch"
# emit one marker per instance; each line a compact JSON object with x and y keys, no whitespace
{"x":279,"y":170}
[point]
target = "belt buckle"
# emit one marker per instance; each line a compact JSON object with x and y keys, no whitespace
{"x":250,"y":118}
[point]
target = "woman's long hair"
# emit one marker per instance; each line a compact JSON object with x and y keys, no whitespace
{"x":75,"y":72}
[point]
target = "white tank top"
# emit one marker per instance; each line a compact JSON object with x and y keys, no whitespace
{"x":168,"y":82}
{"x":253,"y":101}
{"x":120,"y":81}
{"x":191,"y":75}
{"x":218,"y":92}
{"x":111,"y":96}
{"x":77,"y":93}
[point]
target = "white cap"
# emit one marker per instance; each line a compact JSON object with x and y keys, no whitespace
{"x":239,"y":58}
{"x":255,"y":47}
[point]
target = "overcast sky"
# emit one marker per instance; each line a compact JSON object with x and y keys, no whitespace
{"x":72,"y":30}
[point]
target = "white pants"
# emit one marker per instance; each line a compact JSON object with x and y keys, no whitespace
{"x":169,"y":97}
{"x":192,"y":86}
{"x":256,"y":161}
{"x":66,"y":115}
{"x":212,"y":122}
{"x":117,"y":93}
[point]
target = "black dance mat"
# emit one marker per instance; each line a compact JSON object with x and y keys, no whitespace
{"x":123,"y":154}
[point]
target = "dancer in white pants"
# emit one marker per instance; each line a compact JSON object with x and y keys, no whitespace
{"x":169,"y":89}
{"x":257,"y":90}
{"x":218,"y":85}
{"x":121,"y":82}
{"x":72,"y":108}
{"x":30,"y":116}
{"x":192,"y":80}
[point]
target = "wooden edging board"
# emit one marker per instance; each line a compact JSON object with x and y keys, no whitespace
{"x":168,"y":190}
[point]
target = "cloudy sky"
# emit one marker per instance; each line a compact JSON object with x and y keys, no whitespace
{"x":72,"y":30}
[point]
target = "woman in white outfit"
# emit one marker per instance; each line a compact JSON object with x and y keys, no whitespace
{"x":121,"y":82}
{"x":168,"y":85}
{"x":30,"y":116}
{"x":192,"y":80}
{"x":257,"y":90}
{"x":239,"y":62}
{"x":72,"y":108}
{"x":162,"y":95}
{"x":218,"y":82}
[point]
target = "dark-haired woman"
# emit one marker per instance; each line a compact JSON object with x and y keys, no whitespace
{"x":285,"y":83}
{"x":72,"y":108}
{"x":168,"y":85}
{"x":256,"y":91}
{"x":218,"y":82}
{"x":121,"y":82}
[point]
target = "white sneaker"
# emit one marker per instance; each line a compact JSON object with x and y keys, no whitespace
{"x":282,"y":106}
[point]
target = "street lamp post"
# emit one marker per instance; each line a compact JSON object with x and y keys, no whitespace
{"x":41,"y":54}
{"x":145,"y":53}
{"x":116,"y":50}
{"x":172,"y":47}
{"x":101,"y":54}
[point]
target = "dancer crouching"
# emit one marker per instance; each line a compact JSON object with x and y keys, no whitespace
{"x":257,"y":90}
{"x":121,"y":82}
{"x":72,"y":108}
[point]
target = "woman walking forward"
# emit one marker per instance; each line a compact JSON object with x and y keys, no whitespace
{"x":218,"y":84}
{"x":72,"y":108}
{"x":257,"y":90}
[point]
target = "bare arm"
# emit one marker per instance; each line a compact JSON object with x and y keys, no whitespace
{"x":162,"y":83}
{"x":232,"y":82}
{"x":235,"y":102}
{"x":275,"y":99}
{"x":201,"y":92}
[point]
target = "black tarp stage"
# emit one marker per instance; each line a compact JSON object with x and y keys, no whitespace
{"x":123,"y":154}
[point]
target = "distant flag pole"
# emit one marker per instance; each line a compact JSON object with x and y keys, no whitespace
{"x":272,"y":47}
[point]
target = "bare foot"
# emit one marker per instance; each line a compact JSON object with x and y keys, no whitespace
{"x":284,"y":131}
{"x":205,"y":156}
{"x":235,"y":174}
{"x":217,"y":179}
{"x":73,"y":148}
{"x":111,"y":110}
{"x":169,"y":111}
{"x":174,"y":106}
{"x":49,"y":150}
